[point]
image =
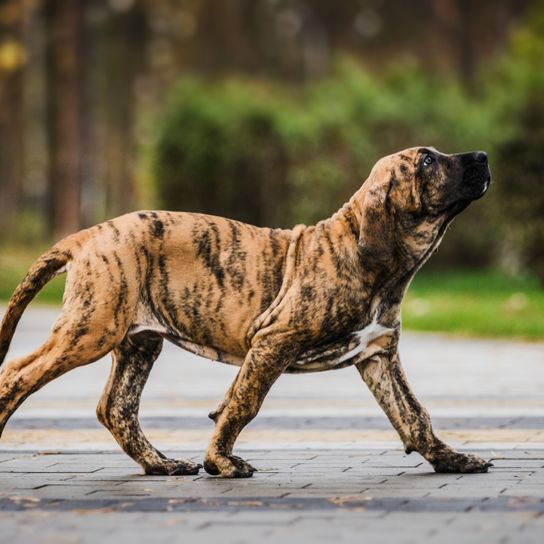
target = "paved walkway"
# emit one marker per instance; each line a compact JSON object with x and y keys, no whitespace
{"x":330,"y":468}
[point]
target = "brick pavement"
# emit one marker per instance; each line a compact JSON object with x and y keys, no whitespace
{"x":302,"y":495}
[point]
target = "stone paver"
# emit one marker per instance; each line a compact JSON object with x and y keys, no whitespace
{"x":330,"y":468}
{"x":302,"y":495}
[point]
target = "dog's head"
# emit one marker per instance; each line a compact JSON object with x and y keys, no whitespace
{"x":410,"y":198}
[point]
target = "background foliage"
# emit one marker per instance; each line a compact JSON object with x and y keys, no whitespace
{"x":273,"y":112}
{"x":277,"y":155}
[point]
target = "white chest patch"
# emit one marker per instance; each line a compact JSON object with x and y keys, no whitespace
{"x":365,"y":337}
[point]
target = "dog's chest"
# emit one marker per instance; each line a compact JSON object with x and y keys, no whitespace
{"x":365,"y":337}
{"x":353,"y":347}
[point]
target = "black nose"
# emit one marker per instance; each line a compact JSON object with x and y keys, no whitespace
{"x":480,"y":156}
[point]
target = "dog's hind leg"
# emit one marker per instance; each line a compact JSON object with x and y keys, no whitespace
{"x":64,"y":350}
{"x":117,"y":410}
{"x":95,"y":317}
{"x":385,"y":378}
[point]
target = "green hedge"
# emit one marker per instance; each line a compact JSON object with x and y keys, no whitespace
{"x":278,"y":155}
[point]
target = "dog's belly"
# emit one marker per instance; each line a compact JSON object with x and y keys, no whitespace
{"x":147,"y":323}
{"x":346,"y":351}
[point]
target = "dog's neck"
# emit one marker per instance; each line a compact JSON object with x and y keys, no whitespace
{"x":392,"y":263}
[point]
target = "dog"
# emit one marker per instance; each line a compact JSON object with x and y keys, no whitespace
{"x":270,"y":301}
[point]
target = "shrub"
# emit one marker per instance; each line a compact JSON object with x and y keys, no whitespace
{"x":219,"y":152}
{"x":521,"y":191}
{"x":516,"y":88}
{"x":277,"y":155}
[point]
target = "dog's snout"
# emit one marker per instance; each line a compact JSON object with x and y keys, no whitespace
{"x":480,"y":156}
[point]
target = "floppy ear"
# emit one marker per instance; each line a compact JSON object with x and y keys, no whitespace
{"x":376,"y":236}
{"x":411,"y":196}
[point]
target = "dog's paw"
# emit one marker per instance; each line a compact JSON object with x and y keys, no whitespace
{"x":463,"y":463}
{"x":173,"y":467}
{"x":228,"y":466}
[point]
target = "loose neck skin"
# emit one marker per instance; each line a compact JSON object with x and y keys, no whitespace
{"x":349,"y":225}
{"x":373,"y":244}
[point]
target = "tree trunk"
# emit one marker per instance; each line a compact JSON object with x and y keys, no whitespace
{"x":12,"y":60}
{"x":124,"y":56}
{"x":64,"y":20}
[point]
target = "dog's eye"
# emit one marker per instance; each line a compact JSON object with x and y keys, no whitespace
{"x":428,"y":159}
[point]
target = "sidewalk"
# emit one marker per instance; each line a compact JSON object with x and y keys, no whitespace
{"x":330,"y":467}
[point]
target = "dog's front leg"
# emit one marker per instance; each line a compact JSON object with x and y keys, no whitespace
{"x":264,"y":363}
{"x":386,"y":379}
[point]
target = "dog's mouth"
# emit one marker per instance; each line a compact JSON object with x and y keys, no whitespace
{"x":476,"y":181}
{"x":487,"y":183}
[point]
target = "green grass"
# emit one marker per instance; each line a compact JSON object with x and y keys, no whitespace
{"x":474,"y":303}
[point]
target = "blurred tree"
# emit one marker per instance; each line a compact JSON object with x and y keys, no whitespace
{"x":272,"y":153}
{"x":122,"y":55}
{"x":64,"y":67}
{"x":462,"y":32}
{"x":296,"y":40}
{"x":276,"y":156}
{"x":520,"y":162}
{"x":221,"y":152}
{"x":12,"y":61}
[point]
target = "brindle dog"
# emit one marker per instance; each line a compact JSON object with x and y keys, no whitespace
{"x":268,"y":300}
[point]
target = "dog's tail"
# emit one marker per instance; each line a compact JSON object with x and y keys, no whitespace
{"x":42,"y":271}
